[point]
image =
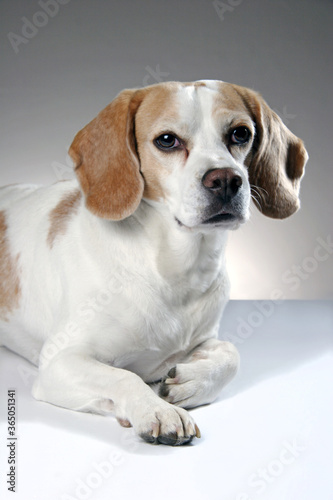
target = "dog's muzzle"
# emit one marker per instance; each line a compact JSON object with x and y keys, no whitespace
{"x":224,"y":186}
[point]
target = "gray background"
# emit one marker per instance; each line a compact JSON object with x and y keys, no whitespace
{"x":85,"y":53}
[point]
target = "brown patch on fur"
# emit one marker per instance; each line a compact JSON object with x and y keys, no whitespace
{"x":106,"y":161}
{"x":277,"y":160}
{"x":109,"y":153}
{"x":228,"y":102}
{"x":61,"y":214}
{"x":10,"y":289}
{"x":111,"y":162}
{"x":159,"y":106}
{"x":193,"y":84}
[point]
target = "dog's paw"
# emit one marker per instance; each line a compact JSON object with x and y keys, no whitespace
{"x":165,"y":424}
{"x":187,"y":386}
{"x":200,"y":380}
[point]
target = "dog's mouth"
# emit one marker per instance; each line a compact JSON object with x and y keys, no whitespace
{"x":226,"y":219}
{"x":220,"y":218}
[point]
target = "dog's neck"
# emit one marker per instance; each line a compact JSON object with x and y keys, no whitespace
{"x":185,"y":259}
{"x":183,"y":254}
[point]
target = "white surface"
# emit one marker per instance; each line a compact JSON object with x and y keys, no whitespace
{"x":76,"y":63}
{"x":281,"y":400}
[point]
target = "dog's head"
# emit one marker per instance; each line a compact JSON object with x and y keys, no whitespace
{"x":197,"y":149}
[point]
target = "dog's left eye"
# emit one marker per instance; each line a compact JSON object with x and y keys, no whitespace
{"x":240,"y":135}
{"x":167,"y":141}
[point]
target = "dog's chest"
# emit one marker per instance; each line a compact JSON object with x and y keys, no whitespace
{"x":165,"y":293}
{"x":156,"y":321}
{"x":173,"y":326}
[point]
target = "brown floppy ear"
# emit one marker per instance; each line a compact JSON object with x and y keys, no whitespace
{"x":277,"y":160}
{"x":106,"y":162}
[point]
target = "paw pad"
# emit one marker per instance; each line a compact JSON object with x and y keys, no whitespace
{"x":171,"y":439}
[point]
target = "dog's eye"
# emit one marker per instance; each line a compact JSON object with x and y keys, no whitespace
{"x":167,"y":141}
{"x":240,"y":135}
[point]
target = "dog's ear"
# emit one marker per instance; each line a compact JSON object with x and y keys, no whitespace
{"x":106,"y":162}
{"x":276,"y":162}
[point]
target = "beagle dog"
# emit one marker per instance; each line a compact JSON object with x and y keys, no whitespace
{"x":114,"y":283}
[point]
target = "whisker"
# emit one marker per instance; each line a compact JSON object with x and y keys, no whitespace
{"x":257,"y":195}
{"x":259,"y":189}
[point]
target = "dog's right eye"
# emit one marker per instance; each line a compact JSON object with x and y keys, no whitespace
{"x":167,"y":141}
{"x":240,"y":136}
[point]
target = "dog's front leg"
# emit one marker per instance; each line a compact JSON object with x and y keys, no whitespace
{"x":202,"y":375}
{"x":75,"y":380}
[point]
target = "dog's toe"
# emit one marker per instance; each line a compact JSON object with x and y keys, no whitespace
{"x":172,"y":372}
{"x":148,"y":437}
{"x":169,"y":426}
{"x":173,"y":439}
{"x":164,"y":390}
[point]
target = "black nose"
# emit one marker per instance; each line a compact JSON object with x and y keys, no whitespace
{"x":222,"y":182}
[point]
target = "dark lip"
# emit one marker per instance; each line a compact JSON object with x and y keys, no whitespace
{"x":220,"y":218}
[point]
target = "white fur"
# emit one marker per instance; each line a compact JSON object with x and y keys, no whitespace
{"x":113,"y":306}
